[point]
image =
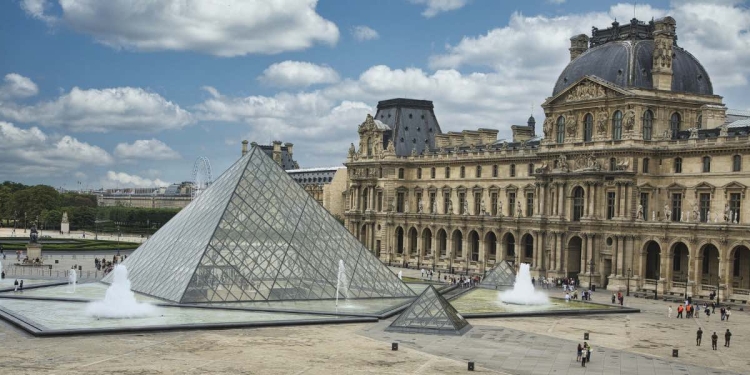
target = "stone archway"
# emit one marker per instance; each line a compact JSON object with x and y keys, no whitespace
{"x":412,"y":241}
{"x":527,"y":252}
{"x":363,"y":235}
{"x":426,"y":242}
{"x":653,"y":261}
{"x":573,"y":258}
{"x":680,"y":262}
{"x":490,"y":246}
{"x":709,"y":265}
{"x":509,"y":246}
{"x":399,"y":240}
{"x":442,"y":242}
{"x":740,"y":270}
{"x":458,"y":244}
{"x":474,"y":246}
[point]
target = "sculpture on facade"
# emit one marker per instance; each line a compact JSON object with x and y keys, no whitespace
{"x":724,"y":130}
{"x":693,"y":133}
{"x":653,"y":215}
{"x":450,"y":207}
{"x":726,"y":211}
{"x":519,"y":211}
{"x":602,"y":119}
{"x":466,"y":207}
{"x":352,"y":150}
{"x":549,"y":122}
{"x":562,"y":163}
{"x":390,"y":148}
{"x":434,"y":206}
{"x":500,"y":208}
{"x":483,"y":208}
{"x":663,"y":54}
{"x":667,"y":212}
{"x":406,"y":206}
{"x":622,"y":164}
{"x":628,"y":119}
{"x":696,"y":212}
{"x":708,"y":216}
{"x":571,"y":124}
{"x":639,"y":214}
{"x":420,"y":208}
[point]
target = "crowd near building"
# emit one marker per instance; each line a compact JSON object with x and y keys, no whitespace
{"x":638,"y":179}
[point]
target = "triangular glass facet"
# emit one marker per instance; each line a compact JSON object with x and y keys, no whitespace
{"x":430,"y":313}
{"x":256,"y":235}
{"x":502,"y":275}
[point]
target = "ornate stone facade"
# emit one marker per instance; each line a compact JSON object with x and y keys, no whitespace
{"x":630,"y":197}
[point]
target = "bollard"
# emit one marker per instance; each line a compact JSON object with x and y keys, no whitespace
{"x":471,"y":366}
{"x":394,"y":346}
{"x":586,"y":336}
{"x":674,"y":353}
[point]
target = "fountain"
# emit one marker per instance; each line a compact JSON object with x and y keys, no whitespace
{"x":341,"y":282}
{"x":119,"y":301}
{"x":523,"y":292}
{"x":72,"y":279}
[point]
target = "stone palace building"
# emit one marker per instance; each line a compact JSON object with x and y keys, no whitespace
{"x":638,"y":182}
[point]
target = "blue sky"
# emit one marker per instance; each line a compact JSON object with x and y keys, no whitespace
{"x":116,"y":95}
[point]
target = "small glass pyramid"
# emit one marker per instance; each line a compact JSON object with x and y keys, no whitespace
{"x":430,"y":313}
{"x":501,"y":275}
{"x":256,"y":235}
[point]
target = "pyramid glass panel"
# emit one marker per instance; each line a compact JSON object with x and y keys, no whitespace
{"x":430,"y":313}
{"x":256,"y":235}
{"x":502,"y":275}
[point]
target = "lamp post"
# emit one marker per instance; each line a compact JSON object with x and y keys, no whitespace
{"x":687,"y":280}
{"x":591,"y":271}
{"x":627,"y":287}
{"x":718,"y":288}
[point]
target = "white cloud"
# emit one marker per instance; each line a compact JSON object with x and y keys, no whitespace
{"x":37,"y":9}
{"x":438,"y":6}
{"x":121,"y":179}
{"x":103,"y":110}
{"x":217,"y":27}
{"x":31,"y":152}
{"x":17,"y":86}
{"x":556,"y":2}
{"x":296,"y":74}
{"x":362,"y":33}
{"x":146,"y":149}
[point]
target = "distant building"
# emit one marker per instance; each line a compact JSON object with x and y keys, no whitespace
{"x":172,"y":196}
{"x":280,"y":154}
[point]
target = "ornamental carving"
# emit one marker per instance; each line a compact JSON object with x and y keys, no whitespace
{"x":587,"y":163}
{"x":549,"y":123}
{"x":584,"y":91}
{"x":602,"y":118}
{"x":663,"y":54}
{"x":628,"y":120}
{"x":571,"y":125}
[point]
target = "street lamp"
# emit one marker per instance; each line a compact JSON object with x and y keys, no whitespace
{"x":718,"y":288}
{"x":627,"y":287}
{"x":591,"y":271}
{"x":687,"y":280}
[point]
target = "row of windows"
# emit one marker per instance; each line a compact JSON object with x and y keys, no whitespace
{"x":675,"y":125}
{"x":310,"y":180}
{"x":462,"y":171}
{"x":705,"y":164}
{"x":491,"y":210}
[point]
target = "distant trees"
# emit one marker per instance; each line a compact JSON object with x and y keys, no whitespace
{"x":23,"y":205}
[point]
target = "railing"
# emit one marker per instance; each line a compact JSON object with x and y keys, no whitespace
{"x":678,"y":284}
{"x":708,"y":288}
{"x":744,"y":292}
{"x":649,"y":284}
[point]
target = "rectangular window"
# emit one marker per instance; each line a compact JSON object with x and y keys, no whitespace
{"x":531,"y":170}
{"x":432,"y":173}
{"x":529,"y":204}
{"x":645,"y":165}
{"x":380,"y":201}
{"x":611,"y":204}
{"x":644,"y":204}
{"x":433,"y":196}
{"x":511,"y":204}
{"x":705,"y":206}
{"x":446,"y":200}
{"x":677,"y":165}
{"x":735,"y":205}
{"x":463,"y":172}
{"x":377,"y":248}
{"x":494,"y":171}
{"x":706,"y":164}
{"x":676,"y":206}
{"x":401,"y":173}
{"x":479,"y":171}
{"x":447,"y":172}
{"x":493,"y":204}
{"x":419,"y":173}
{"x":400,"y":201}
{"x":512,"y":170}
{"x":461,"y":199}
{"x":477,"y":203}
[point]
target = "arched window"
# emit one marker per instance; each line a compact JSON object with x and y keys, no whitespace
{"x":617,"y":126}
{"x":577,"y":203}
{"x":479,"y":171}
{"x":699,"y":122}
{"x":612,"y":164}
{"x":648,"y":125}
{"x":560,"y":129}
{"x":706,"y":164}
{"x":677,"y":165}
{"x":736,"y":163}
{"x":588,"y":127}
{"x":674,"y":124}
{"x":494,"y":170}
{"x":401,"y":173}
{"x":512,"y":170}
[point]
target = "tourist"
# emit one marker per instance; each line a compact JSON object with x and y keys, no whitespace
{"x":688,"y":310}
{"x":580,"y":352}
{"x":727,"y":337}
{"x":15,"y":284}
{"x":533,"y":282}
{"x":707,"y":311}
{"x":713,"y":307}
{"x":679,"y":311}
{"x":698,"y":337}
{"x":587,"y":351}
{"x":20,"y":286}
{"x":669,"y":312}
{"x":696,"y":311}
{"x":3,"y":275}
{"x":614,"y":296}
{"x":714,"y":340}
{"x":723,"y":312}
{"x":567,"y":297}
{"x":726,"y":315}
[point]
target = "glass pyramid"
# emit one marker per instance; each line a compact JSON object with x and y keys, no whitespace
{"x":256,"y":235}
{"x":501,"y":275}
{"x":430,"y":313}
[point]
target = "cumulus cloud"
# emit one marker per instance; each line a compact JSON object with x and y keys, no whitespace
{"x":31,"y":152}
{"x":37,"y":9}
{"x":146,"y":149}
{"x":218,"y":27}
{"x":102,"y":110}
{"x":296,"y":74}
{"x":17,"y":86}
{"x":438,"y":6}
{"x":362,"y":33}
{"x":121,"y":179}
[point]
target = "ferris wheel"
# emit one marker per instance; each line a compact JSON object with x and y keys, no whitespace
{"x":202,"y":177}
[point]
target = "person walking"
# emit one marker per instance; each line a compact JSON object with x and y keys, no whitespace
{"x":20,"y":286}
{"x":679,"y":311}
{"x":614,"y":296}
{"x":15,"y":285}
{"x":726,"y":315}
{"x":579,"y":353}
{"x":587,"y":351}
{"x":698,"y":337}
{"x":727,"y":337}
{"x":714,"y":340}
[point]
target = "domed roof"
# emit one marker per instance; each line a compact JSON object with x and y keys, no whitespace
{"x":628,"y":63}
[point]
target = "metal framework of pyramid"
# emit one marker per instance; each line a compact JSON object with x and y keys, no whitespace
{"x":502,"y":275}
{"x":430,"y":313}
{"x":256,"y":235}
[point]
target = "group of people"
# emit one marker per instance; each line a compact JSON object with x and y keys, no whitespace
{"x":462,"y":281}
{"x":108,"y":266}
{"x":18,"y":286}
{"x":714,"y":338}
{"x":693,"y":310}
{"x":584,"y":353}
{"x":618,"y":297}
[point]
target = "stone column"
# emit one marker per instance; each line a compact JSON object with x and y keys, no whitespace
{"x":420,"y":258}
{"x":535,"y":254}
{"x":615,"y":256}
{"x":584,"y":249}
{"x":560,"y":252}
{"x":621,"y":255}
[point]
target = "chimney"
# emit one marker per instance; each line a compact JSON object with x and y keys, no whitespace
{"x":277,"y":151}
{"x":244,"y":147}
{"x":664,"y":36}
{"x":289,"y":148}
{"x":578,"y":45}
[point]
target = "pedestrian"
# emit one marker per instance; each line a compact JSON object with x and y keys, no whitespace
{"x":20,"y":286}
{"x":714,"y":340}
{"x":614,"y":296}
{"x":669,"y":312}
{"x":723,"y":312}
{"x":727,"y":337}
{"x":15,"y":285}
{"x":580,"y":352}
{"x":679,"y":311}
{"x":726,"y":315}
{"x":713,"y":307}
{"x":588,"y":350}
{"x":698,"y":337}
